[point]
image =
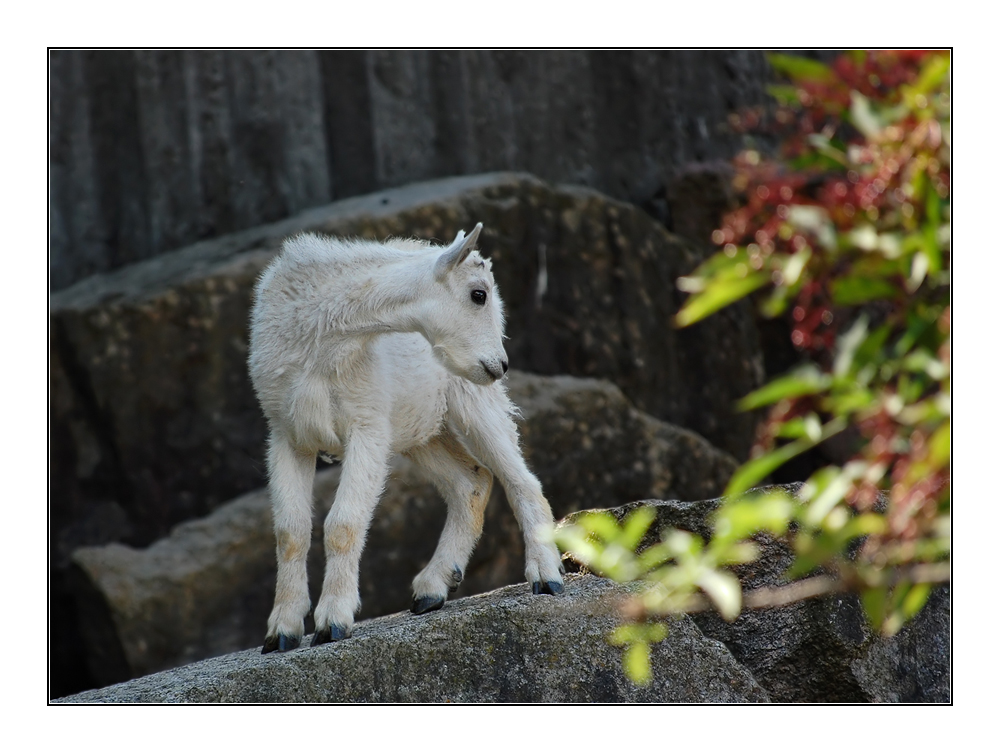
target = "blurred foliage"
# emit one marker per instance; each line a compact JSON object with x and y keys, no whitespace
{"x":845,"y":232}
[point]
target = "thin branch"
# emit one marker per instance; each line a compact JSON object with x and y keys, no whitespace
{"x":800,"y":590}
{"x":821,"y":585}
{"x":770,"y":597}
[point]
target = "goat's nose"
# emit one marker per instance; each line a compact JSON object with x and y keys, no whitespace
{"x":504,"y":365}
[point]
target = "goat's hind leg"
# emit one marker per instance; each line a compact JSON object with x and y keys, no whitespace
{"x":290,"y":481}
{"x":465,"y":485}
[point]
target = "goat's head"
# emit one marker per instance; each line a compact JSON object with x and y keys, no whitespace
{"x":464,"y":318}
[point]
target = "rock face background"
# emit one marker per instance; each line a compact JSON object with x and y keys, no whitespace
{"x":153,"y":150}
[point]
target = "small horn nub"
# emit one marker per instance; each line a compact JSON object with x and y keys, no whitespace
{"x":455,"y":254}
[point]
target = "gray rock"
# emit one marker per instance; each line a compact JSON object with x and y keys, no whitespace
{"x":822,"y":649}
{"x":505,"y":646}
{"x":915,"y":665}
{"x":699,"y":194}
{"x":588,"y":442}
{"x":206,"y":589}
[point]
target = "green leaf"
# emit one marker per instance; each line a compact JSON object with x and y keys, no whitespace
{"x":627,"y":633}
{"x":918,"y":268}
{"x":813,"y":427}
{"x":654,"y":556}
{"x":724,"y":590}
{"x":600,"y":524}
{"x":848,"y":344}
{"x":852,"y":291}
{"x":656,"y":632}
{"x":637,"y":665}
{"x":831,"y":486}
{"x":850,"y":401}
{"x":793,"y":428}
{"x":870,"y":350}
{"x":635,"y":526}
{"x":921,"y":361}
{"x":718,"y":264}
{"x":873,"y":601}
{"x":747,"y":515}
{"x":930,"y":247}
{"x":682,"y":543}
{"x":786,"y":95}
{"x":915,"y":599}
{"x":867,"y":238}
{"x":864,"y":117}
{"x":718,"y":294}
{"x":933,"y":206}
{"x":756,"y":470}
{"x":863,"y":525}
{"x":637,"y":632}
{"x":823,"y":146}
{"x":940,"y":445}
{"x":799,"y":68}
{"x":917,"y":323}
{"x":738,"y":553}
{"x":793,"y":266}
{"x":933,"y":73}
{"x":574,"y":539}
{"x":807,"y":380}
{"x":777,"y":302}
{"x":815,"y":220}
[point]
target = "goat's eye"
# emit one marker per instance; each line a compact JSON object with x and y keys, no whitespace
{"x":479,"y":297}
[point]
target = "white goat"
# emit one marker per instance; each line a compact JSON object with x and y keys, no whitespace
{"x":360,"y":350}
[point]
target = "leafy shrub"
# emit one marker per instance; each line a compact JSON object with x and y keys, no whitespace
{"x":845,"y":231}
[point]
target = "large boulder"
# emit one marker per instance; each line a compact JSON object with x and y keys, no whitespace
{"x":822,"y":649}
{"x":206,"y":589}
{"x":505,"y":646}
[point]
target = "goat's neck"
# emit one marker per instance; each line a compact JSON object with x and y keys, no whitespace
{"x":390,"y":299}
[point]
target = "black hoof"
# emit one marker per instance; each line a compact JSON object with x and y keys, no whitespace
{"x":426,"y":604}
{"x":279,"y":643}
{"x":548,"y":587}
{"x":456,"y":579}
{"x":330,"y":634}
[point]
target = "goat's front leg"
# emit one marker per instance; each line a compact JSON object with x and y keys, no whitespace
{"x":492,"y":438}
{"x":365,"y":467}
{"x":290,"y":481}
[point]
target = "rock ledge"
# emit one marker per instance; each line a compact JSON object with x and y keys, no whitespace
{"x":504,"y":646}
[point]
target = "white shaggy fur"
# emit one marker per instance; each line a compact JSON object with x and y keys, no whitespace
{"x":361,"y":350}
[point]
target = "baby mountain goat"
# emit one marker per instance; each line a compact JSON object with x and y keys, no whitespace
{"x":360,"y":350}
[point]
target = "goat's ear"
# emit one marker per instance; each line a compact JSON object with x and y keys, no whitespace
{"x":455,"y":253}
